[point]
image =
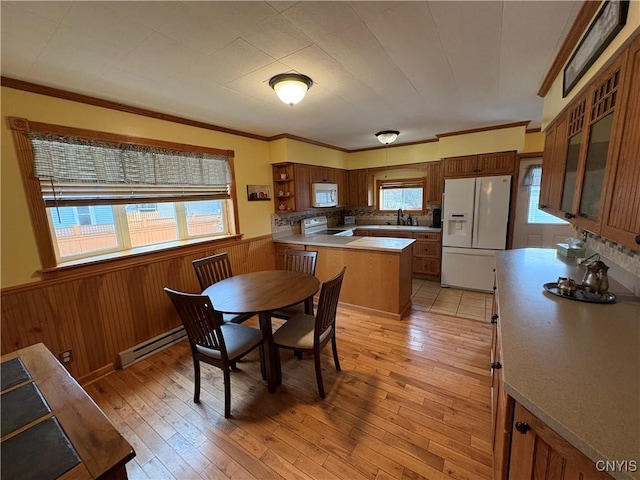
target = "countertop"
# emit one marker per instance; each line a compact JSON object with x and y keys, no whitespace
{"x":574,"y":365}
{"x":390,"y":244}
{"x":382,"y":244}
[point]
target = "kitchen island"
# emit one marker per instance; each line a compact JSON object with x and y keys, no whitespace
{"x":378,"y":276}
{"x":573,"y":365}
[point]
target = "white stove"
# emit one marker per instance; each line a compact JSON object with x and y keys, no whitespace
{"x":318,"y":226}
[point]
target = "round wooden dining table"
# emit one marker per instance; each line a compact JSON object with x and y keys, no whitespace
{"x":261,"y":293}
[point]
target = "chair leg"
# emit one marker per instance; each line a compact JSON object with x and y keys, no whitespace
{"x":233,"y":365}
{"x":227,"y":392}
{"x":335,"y":353}
{"x":196,"y":373}
{"x":316,"y":358}
{"x":278,"y":367}
{"x":263,"y":367}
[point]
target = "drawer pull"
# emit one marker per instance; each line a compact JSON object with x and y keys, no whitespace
{"x":638,"y":239}
{"x":522,"y":427}
{"x":494,"y":318}
{"x":496,"y":365}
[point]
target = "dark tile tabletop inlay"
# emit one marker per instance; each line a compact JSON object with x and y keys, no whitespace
{"x":12,"y":372}
{"x":40,"y":452}
{"x":20,"y":407}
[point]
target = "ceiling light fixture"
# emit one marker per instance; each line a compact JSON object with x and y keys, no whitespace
{"x":290,"y":87}
{"x":387,"y":136}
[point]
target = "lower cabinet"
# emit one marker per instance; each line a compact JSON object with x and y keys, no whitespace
{"x":537,"y":452}
{"x":426,"y":254}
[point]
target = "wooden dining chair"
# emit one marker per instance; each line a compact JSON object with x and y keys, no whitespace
{"x":214,"y":341}
{"x":298,"y":261}
{"x":307,"y":333}
{"x":210,"y":270}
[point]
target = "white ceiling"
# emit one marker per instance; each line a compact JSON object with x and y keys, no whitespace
{"x":419,"y":67}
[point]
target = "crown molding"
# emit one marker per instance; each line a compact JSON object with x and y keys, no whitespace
{"x":484,"y":129}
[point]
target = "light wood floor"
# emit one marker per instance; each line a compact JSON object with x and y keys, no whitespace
{"x":412,"y":401}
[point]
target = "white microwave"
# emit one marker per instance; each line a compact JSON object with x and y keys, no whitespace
{"x":324,"y":195}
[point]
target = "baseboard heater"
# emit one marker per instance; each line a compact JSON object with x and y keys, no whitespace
{"x":151,"y":346}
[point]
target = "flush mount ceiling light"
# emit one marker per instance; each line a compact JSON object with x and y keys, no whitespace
{"x":387,"y":136}
{"x":290,"y":87}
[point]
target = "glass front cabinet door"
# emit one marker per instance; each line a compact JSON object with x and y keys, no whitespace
{"x":589,"y":145}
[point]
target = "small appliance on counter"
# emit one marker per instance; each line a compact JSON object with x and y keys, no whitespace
{"x":437,"y":218}
{"x":349,"y":220}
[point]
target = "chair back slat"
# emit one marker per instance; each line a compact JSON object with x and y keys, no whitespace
{"x":210,"y":270}
{"x":201,"y":321}
{"x":300,"y":261}
{"x":328,"y":304}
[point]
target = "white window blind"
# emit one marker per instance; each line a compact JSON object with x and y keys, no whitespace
{"x":79,"y":171}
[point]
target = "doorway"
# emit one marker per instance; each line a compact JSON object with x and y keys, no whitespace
{"x":533,"y":227}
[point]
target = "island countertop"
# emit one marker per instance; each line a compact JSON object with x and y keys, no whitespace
{"x":380,"y":244}
{"x":574,"y":365}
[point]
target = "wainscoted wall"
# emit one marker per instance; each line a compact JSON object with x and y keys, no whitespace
{"x":102,"y":313}
{"x":626,"y":262}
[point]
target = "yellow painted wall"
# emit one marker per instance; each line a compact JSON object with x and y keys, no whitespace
{"x":19,"y":255}
{"x":301,"y":152}
{"x":489,"y":141}
{"x":533,"y":142}
{"x":386,"y":156}
{"x":553,"y":101}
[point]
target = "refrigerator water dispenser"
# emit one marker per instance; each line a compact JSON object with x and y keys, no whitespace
{"x":458,"y":225}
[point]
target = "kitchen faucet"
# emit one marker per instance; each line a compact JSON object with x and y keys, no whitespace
{"x":400,"y":216}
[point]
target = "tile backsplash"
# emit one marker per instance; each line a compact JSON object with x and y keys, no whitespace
{"x":626,"y":262}
{"x":290,"y":222}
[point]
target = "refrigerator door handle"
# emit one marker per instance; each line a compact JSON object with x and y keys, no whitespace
{"x":476,"y":210}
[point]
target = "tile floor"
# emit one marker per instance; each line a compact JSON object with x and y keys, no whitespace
{"x":429,"y":296}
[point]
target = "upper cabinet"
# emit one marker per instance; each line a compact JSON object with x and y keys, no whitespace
{"x":434,"y":183}
{"x":591,"y":171}
{"x":500,"y":163}
{"x":358,"y":188}
{"x":621,"y":209}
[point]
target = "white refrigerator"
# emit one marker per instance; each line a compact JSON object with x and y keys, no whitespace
{"x":474,"y":227}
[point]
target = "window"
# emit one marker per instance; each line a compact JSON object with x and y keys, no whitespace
{"x":105,"y":195}
{"x":401,"y":194}
{"x":534,"y":214}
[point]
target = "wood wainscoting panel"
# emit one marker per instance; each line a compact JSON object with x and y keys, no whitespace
{"x":101,"y":314}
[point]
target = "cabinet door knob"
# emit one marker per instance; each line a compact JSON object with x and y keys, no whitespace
{"x":569,"y":215}
{"x":542,"y":206}
{"x":494,"y":318}
{"x":496,"y":365}
{"x":638,"y":239}
{"x":522,"y":427}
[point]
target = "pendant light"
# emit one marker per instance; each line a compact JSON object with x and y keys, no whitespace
{"x":290,"y":87}
{"x":387,"y":136}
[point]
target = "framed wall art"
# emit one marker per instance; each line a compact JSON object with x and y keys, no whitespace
{"x":258,"y":192}
{"x":603,"y":29}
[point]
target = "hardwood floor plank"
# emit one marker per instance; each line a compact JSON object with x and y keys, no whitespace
{"x":412,"y":401}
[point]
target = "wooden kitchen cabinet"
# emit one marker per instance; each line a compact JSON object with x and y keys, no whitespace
{"x":358,"y":188}
{"x":499,"y":163}
{"x":303,"y":187}
{"x":621,"y":212}
{"x":599,"y":159}
{"x":427,"y":253}
{"x":537,"y":452}
{"x":434,"y":183}
{"x":555,"y":145}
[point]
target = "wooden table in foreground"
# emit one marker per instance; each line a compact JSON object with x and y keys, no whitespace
{"x":101,"y":449}
{"x":261,"y":293}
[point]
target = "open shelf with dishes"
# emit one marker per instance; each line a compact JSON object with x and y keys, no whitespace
{"x":284,"y":187}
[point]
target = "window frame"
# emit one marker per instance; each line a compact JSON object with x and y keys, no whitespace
{"x":559,"y":220}
{"x":412,"y":181}
{"x":21,"y":127}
